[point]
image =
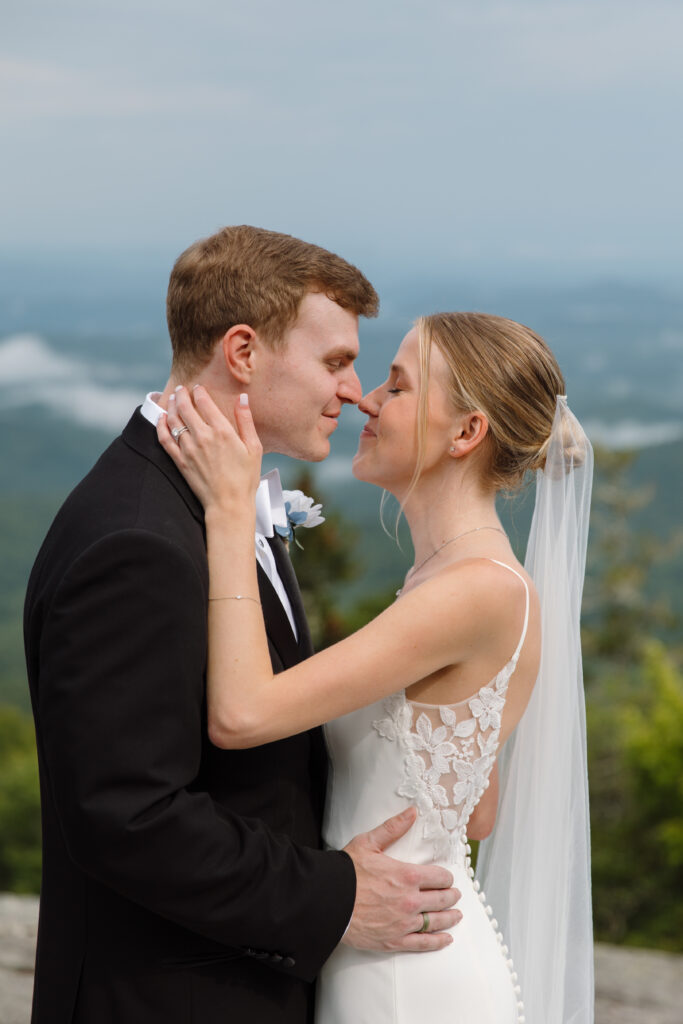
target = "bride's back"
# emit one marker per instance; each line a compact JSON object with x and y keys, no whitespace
{"x":502,"y":587}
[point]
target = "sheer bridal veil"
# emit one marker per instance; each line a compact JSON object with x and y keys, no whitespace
{"x":535,"y":867}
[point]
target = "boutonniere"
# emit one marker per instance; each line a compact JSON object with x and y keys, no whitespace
{"x":300,"y":512}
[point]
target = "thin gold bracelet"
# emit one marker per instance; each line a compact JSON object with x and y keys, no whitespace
{"x":236,"y":597}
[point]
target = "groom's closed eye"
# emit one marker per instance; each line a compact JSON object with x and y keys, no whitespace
{"x":338,"y":359}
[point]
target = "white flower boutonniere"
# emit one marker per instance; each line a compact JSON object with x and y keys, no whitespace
{"x":300,"y":512}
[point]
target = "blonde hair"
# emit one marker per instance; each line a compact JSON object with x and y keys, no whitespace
{"x":504,"y":370}
{"x":247,"y":275}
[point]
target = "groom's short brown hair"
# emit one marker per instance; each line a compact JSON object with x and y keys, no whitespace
{"x":247,"y":275}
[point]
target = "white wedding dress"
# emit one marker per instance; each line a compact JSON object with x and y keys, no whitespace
{"x":439,"y":758}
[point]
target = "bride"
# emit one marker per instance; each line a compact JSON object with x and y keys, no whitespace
{"x":420,"y":701}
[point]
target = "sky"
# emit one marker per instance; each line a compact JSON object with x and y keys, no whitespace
{"x":533,"y":137}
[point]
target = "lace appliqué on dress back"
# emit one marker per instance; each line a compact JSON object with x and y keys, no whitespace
{"x":449,"y":751}
{"x":449,"y":754}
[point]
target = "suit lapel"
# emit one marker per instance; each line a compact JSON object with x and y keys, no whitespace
{"x":277,"y":624}
{"x":304,"y":649}
{"x":288,"y":577}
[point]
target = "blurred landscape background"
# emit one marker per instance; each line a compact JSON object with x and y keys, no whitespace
{"x":74,"y":365}
{"x":520,"y":159}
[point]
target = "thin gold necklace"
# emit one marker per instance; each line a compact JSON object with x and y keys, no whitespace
{"x":451,"y":540}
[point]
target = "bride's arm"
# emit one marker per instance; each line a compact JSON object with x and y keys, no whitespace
{"x":427,"y":629}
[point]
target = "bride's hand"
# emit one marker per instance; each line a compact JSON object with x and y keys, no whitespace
{"x":222,"y":465}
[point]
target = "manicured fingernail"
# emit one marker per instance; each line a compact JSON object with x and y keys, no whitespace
{"x":179,"y":388}
{"x":171,"y":398}
{"x":244,"y":399}
{"x":197,"y":387}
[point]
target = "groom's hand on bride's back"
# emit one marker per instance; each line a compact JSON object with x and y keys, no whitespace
{"x":395,"y":900}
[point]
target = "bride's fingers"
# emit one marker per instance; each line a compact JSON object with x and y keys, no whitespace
{"x":184,"y":407}
{"x":166,"y":439}
{"x":246,"y":426}
{"x":173,"y":418}
{"x":208,"y":409}
{"x":185,"y":425}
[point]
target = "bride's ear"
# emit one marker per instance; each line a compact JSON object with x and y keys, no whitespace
{"x":238,"y":352}
{"x":471,"y":429}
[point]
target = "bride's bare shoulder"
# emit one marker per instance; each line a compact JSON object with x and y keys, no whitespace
{"x":485,"y":592}
{"x":485,"y":577}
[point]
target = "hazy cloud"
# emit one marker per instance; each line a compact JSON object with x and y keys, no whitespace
{"x":31,"y":373}
{"x":627,"y":434}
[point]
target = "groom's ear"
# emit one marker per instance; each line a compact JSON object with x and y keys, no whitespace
{"x":238,"y":352}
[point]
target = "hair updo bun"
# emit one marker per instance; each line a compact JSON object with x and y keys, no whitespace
{"x":507,"y":372}
{"x":566,"y":448}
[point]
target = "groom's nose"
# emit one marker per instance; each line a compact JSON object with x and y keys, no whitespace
{"x":349,"y":388}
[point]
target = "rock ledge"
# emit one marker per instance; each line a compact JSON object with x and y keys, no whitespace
{"x":634,"y":986}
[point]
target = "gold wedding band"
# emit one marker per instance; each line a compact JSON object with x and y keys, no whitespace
{"x":425,"y":921}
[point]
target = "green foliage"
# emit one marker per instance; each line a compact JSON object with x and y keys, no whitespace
{"x":619,"y":612}
{"x":653,"y":748}
{"x":635,"y":744}
{"x":368,"y":608}
{"x":19,"y":804}
{"x":635,"y":722}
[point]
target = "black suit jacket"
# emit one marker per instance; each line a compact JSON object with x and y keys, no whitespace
{"x":180,"y":882}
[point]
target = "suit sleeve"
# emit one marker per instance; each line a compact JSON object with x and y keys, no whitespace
{"x":120,"y":703}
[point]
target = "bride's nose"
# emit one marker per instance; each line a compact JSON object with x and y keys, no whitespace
{"x":369,"y":403}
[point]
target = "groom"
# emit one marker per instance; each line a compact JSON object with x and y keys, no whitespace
{"x":182,"y":882}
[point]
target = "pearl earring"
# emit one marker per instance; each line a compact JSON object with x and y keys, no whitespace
{"x":452,"y":448}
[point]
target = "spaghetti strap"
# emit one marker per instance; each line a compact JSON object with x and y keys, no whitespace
{"x":517,"y":653}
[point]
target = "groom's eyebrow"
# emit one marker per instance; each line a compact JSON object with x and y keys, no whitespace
{"x":347,"y":354}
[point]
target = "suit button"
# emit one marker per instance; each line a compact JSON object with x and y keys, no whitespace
{"x":288,"y":961}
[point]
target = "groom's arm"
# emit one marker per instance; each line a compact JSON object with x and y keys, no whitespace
{"x":120,"y":707}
